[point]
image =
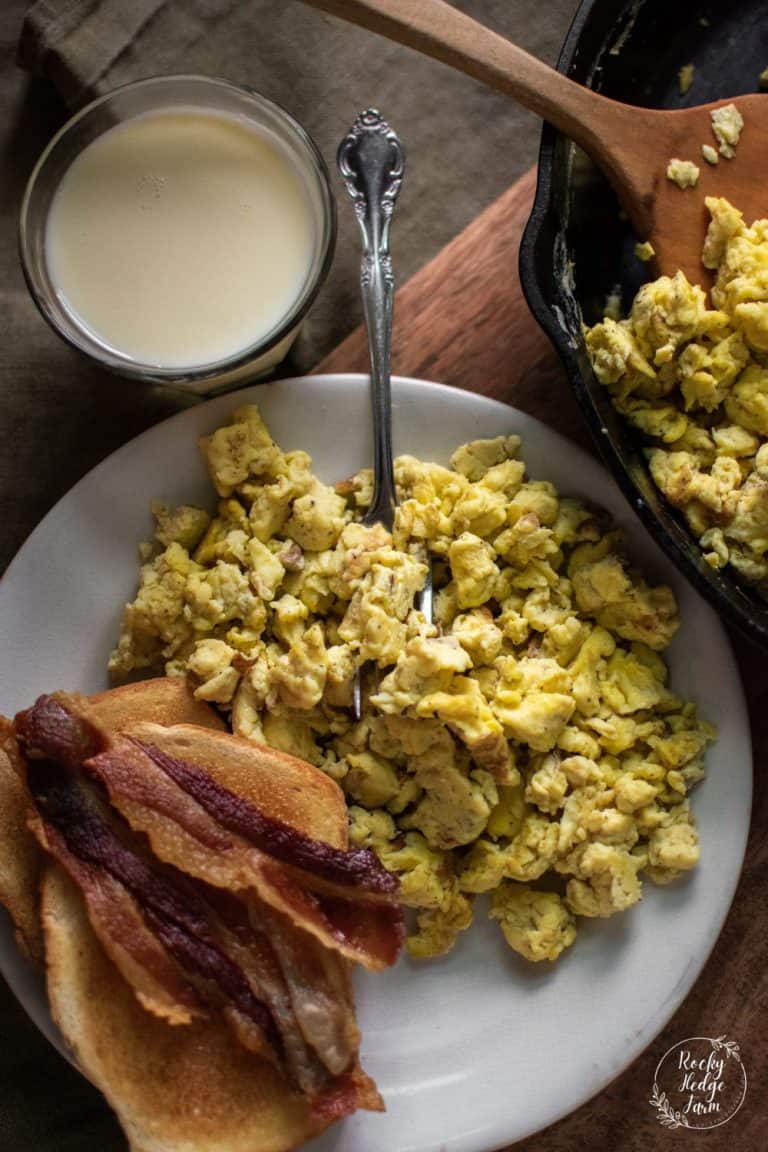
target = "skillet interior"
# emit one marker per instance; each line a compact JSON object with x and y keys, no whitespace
{"x":577,"y":249}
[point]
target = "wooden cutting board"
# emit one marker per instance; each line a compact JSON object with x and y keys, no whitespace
{"x":463,"y":320}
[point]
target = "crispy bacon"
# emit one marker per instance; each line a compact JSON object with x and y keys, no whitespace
{"x":124,"y":935}
{"x":360,"y":869}
{"x":371,"y":934}
{"x":318,"y":985}
{"x":175,"y":823}
{"x":50,"y":731}
{"x":349,"y":1092}
{"x":253,"y":951}
{"x":73,"y":822}
{"x":306,"y":986}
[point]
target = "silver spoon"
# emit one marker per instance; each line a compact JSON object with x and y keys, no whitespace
{"x":371,"y":159}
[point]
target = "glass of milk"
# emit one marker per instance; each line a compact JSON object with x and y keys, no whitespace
{"x":177,"y":231}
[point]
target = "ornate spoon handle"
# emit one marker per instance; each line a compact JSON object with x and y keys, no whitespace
{"x":372,"y":161}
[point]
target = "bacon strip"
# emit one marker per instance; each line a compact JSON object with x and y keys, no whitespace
{"x":310,"y":997}
{"x":318,"y":985}
{"x":254,"y":954}
{"x":50,"y":731}
{"x":371,"y":934}
{"x":124,"y":935}
{"x":309,"y":994}
{"x":73,"y":823}
{"x":181,"y":832}
{"x":358,"y":868}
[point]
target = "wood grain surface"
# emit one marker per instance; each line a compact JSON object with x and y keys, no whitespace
{"x":463,"y":320}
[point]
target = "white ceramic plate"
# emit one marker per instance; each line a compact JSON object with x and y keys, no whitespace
{"x":478,"y":1049}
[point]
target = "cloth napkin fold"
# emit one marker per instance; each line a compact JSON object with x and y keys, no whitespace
{"x":77,"y":42}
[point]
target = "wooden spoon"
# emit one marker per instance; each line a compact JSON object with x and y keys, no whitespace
{"x":631,"y":145}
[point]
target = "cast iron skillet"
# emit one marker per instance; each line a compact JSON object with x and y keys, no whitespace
{"x":576,"y":248}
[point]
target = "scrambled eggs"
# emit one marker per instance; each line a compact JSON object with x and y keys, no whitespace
{"x":685,"y":78}
{"x":684,"y":173}
{"x":727,"y":126}
{"x":693,"y":380}
{"x":525,"y":744}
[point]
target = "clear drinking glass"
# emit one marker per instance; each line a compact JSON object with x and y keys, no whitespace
{"x":162,"y":93}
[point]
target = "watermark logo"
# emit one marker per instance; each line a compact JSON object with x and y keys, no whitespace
{"x":699,"y":1083}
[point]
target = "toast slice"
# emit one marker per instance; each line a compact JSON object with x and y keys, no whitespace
{"x":183,"y":1089}
{"x":166,"y":700}
{"x":19,"y":853}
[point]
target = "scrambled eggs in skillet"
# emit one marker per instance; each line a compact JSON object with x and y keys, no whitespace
{"x":693,"y":380}
{"x":526,"y":744}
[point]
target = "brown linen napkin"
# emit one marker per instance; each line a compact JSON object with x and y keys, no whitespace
{"x":465,"y":143}
{"x":77,"y":42}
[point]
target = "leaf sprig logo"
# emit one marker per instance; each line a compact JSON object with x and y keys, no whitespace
{"x":699,"y":1083}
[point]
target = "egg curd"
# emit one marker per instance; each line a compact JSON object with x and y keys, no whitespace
{"x":693,"y":379}
{"x":526,"y":744}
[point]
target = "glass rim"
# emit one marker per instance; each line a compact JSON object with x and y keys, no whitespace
{"x":144,"y":370}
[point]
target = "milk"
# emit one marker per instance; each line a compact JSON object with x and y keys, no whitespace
{"x":180,"y":237}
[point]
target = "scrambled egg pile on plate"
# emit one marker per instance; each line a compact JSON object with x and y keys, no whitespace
{"x":693,"y":380}
{"x":525,"y":744}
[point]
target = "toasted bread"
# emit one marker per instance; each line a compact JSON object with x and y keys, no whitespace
{"x":184,"y":1089}
{"x":165,"y":700}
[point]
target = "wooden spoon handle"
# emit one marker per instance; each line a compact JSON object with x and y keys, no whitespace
{"x":439,"y":30}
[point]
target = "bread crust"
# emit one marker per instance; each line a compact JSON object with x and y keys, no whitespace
{"x":166,"y":700}
{"x":20,"y":857}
